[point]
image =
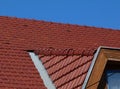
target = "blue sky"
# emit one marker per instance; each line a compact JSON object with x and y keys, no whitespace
{"x":99,"y":13}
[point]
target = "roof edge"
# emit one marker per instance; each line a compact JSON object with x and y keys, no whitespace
{"x":56,"y":22}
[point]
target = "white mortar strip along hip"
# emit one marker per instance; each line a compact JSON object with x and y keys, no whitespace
{"x":42,"y":71}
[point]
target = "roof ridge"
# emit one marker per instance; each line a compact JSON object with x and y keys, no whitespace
{"x":53,"y":22}
{"x":66,"y":51}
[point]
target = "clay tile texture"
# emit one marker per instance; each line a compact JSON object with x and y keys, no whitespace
{"x":65,"y":50}
{"x":67,"y":71}
{"x":17,"y":71}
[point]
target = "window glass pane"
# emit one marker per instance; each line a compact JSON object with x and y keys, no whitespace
{"x":113,"y":79}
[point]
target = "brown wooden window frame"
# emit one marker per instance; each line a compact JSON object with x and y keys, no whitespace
{"x":106,"y":56}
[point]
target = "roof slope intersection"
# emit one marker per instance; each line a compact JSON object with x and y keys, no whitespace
{"x":65,"y":50}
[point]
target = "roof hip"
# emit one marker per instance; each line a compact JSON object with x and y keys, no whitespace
{"x":67,"y":51}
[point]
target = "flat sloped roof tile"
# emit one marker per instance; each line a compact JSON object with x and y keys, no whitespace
{"x":18,"y":71}
{"x":68,"y":70}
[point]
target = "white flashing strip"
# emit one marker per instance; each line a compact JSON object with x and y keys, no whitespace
{"x":42,"y":71}
{"x":91,"y":67}
{"x":106,"y":47}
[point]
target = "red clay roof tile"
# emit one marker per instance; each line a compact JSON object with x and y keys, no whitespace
{"x":67,"y":70}
{"x":65,"y":50}
{"x":18,"y":71}
{"x":42,"y":34}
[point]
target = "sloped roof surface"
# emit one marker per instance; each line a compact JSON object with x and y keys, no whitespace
{"x":67,"y":72}
{"x":65,"y":50}
{"x":42,"y":34}
{"x":17,"y":71}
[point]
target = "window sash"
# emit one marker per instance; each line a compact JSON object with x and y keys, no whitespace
{"x":113,"y":79}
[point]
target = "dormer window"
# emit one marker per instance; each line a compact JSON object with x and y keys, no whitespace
{"x":105,"y":73}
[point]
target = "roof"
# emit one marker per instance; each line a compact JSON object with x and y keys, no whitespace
{"x":67,"y":71}
{"x":41,"y":34}
{"x":17,"y":71}
{"x":65,"y":50}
